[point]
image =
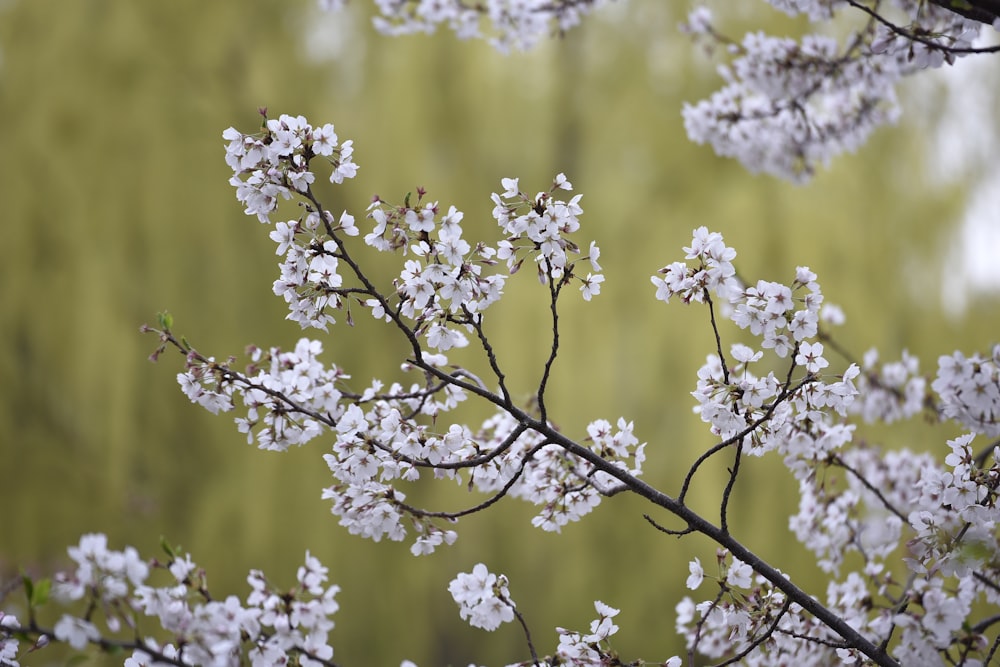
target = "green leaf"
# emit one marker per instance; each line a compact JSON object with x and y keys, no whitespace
{"x":29,"y":586}
{"x":39,"y":594}
{"x":170,"y":550}
{"x":165,"y":319}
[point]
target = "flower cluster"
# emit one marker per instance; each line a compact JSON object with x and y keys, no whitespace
{"x":786,"y":106}
{"x":271,"y":166}
{"x":969,"y":389}
{"x":483,"y":598}
{"x":540,"y":227}
{"x":271,"y":627}
{"x":852,"y":498}
{"x":788,"y":413}
{"x":789,"y":105}
{"x":288,"y":395}
{"x":568,"y":487}
{"x":745,"y":608}
{"x":576,"y":648}
{"x":8,"y":643}
{"x":446,"y":282}
{"x":889,"y":392}
{"x":949,"y":518}
{"x":714,"y":272}
{"x":510,"y":24}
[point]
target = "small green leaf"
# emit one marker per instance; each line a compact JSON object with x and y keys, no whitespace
{"x":406,"y":200}
{"x":170,"y":551}
{"x":165,"y":319}
{"x":29,"y":586}
{"x":40,"y":592}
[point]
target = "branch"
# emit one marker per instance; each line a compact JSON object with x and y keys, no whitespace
{"x":926,"y":41}
{"x":785,"y":394}
{"x":554,"y":290}
{"x":984,"y":11}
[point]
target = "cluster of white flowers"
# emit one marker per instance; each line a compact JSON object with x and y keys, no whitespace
{"x":577,"y":648}
{"x":509,"y":24}
{"x":745,"y":608}
{"x":788,"y":414}
{"x":889,"y":392}
{"x":786,"y":105}
{"x":970,"y":390}
{"x":273,"y":165}
{"x":715,"y":272}
{"x":445,"y":282}
{"x":8,"y":643}
{"x":287,"y":394}
{"x":270,"y":628}
{"x":483,"y":598}
{"x":540,"y":227}
{"x":270,"y":165}
{"x":790,"y":105}
{"x":567,"y":487}
{"x":446,"y":285}
{"x":853,"y":498}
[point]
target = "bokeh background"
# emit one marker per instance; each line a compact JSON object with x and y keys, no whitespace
{"x":115,"y":205}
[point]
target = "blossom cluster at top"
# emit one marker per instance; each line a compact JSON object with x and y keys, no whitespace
{"x":269,"y":166}
{"x":510,"y":24}
{"x":789,"y":105}
{"x":445,"y":285}
{"x":786,"y":105}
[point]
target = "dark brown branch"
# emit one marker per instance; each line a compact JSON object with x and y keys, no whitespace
{"x":785,"y":393}
{"x":838,"y":461}
{"x":554,"y":290}
{"x":983,"y":11}
{"x":727,"y":492}
{"x":926,"y":41}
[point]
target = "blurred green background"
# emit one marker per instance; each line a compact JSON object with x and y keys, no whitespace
{"x":116,"y":205}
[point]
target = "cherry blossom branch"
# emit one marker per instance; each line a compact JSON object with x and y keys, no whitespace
{"x":477,"y":325}
{"x":697,"y":524}
{"x":495,"y":498}
{"x":718,"y":339}
{"x":527,"y":634}
{"x":785,"y":394}
{"x":554,"y":288}
{"x":41,"y":635}
{"x":730,"y":483}
{"x":839,"y":462}
{"x":950,"y":5}
{"x":567,"y":476}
